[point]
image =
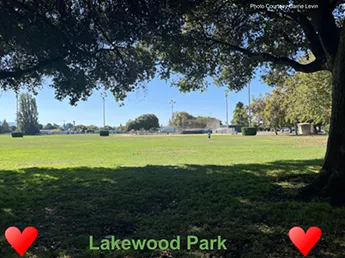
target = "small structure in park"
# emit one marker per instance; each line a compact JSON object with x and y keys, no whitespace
{"x":202,"y":123}
{"x":229,"y":129}
{"x":225,"y":130}
{"x":305,"y":128}
{"x":168,"y":129}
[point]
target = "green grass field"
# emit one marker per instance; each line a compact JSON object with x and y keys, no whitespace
{"x":240,"y":188}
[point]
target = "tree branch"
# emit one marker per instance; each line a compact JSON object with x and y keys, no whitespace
{"x":314,"y":66}
{"x":42,"y":17}
{"x":308,"y":29}
{"x":17,"y":73}
{"x":104,"y":34}
{"x":324,"y":23}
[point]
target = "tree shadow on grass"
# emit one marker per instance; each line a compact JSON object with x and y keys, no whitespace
{"x":253,"y":206}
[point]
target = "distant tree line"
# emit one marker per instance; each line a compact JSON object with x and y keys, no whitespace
{"x":301,"y":98}
{"x":27,"y":115}
{"x":185,"y":120}
{"x":240,"y":115}
{"x":6,"y":128}
{"x":143,"y":122}
{"x":80,"y":127}
{"x":298,"y":98}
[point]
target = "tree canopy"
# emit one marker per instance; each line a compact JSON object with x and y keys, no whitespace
{"x":50,"y":126}
{"x":4,"y":127}
{"x":275,"y":109}
{"x":299,"y":98}
{"x":233,"y":38}
{"x":84,"y":45}
{"x":257,"y":109}
{"x":240,"y":116}
{"x":179,"y":118}
{"x":80,"y":128}
{"x":186,"y":120}
{"x":308,"y":98}
{"x":92,"y":128}
{"x":69,"y":126}
{"x":28,"y":115}
{"x":143,"y":122}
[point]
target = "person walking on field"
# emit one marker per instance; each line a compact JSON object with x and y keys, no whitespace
{"x":209,"y":133}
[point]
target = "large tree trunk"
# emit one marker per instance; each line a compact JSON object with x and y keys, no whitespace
{"x":275,"y":131}
{"x":296,"y":129}
{"x":331,"y":181}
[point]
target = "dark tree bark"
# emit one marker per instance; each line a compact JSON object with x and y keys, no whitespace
{"x":296,"y":129}
{"x":331,"y":180}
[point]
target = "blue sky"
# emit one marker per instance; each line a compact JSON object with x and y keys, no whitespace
{"x":155,"y":99}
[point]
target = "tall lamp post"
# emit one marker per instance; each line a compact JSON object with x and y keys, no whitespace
{"x":17,"y":108}
{"x":103,"y":96}
{"x":172,"y":103}
{"x":249,"y":114}
{"x":227,"y":109}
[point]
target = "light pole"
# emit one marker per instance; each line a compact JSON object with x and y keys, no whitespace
{"x":172,"y":103}
{"x":249,"y":118}
{"x":103,"y":96}
{"x":17,"y":105}
{"x":227,"y":109}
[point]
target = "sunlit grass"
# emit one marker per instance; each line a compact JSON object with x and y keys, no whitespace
{"x":94,"y":151}
{"x":241,"y":188}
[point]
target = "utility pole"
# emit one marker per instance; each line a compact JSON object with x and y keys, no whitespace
{"x":17,"y":104}
{"x":249,"y":118}
{"x":227,"y":109}
{"x":103,"y":96}
{"x":172,"y":103}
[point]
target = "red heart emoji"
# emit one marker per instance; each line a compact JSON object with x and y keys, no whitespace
{"x":21,"y":241}
{"x":305,"y":241}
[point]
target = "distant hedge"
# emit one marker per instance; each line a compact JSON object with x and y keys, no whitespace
{"x":104,"y":133}
{"x":248,"y":130}
{"x":17,"y":134}
{"x":196,"y":131}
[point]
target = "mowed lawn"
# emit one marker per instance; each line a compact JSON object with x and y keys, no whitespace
{"x":243,"y":189}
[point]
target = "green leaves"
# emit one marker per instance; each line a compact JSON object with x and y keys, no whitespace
{"x":275,"y":110}
{"x":120,"y":45}
{"x":309,"y":97}
{"x":82,"y":45}
{"x":4,"y":127}
{"x":179,"y":118}
{"x":143,"y":122}
{"x":28,"y":115}
{"x":299,"y":98}
{"x":257,"y":109}
{"x":240,"y":116}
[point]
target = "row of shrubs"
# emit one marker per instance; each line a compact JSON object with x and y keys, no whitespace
{"x":249,"y":130}
{"x":104,"y":133}
{"x":195,"y":131}
{"x":245,"y":131}
{"x":17,"y":134}
{"x":20,"y":134}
